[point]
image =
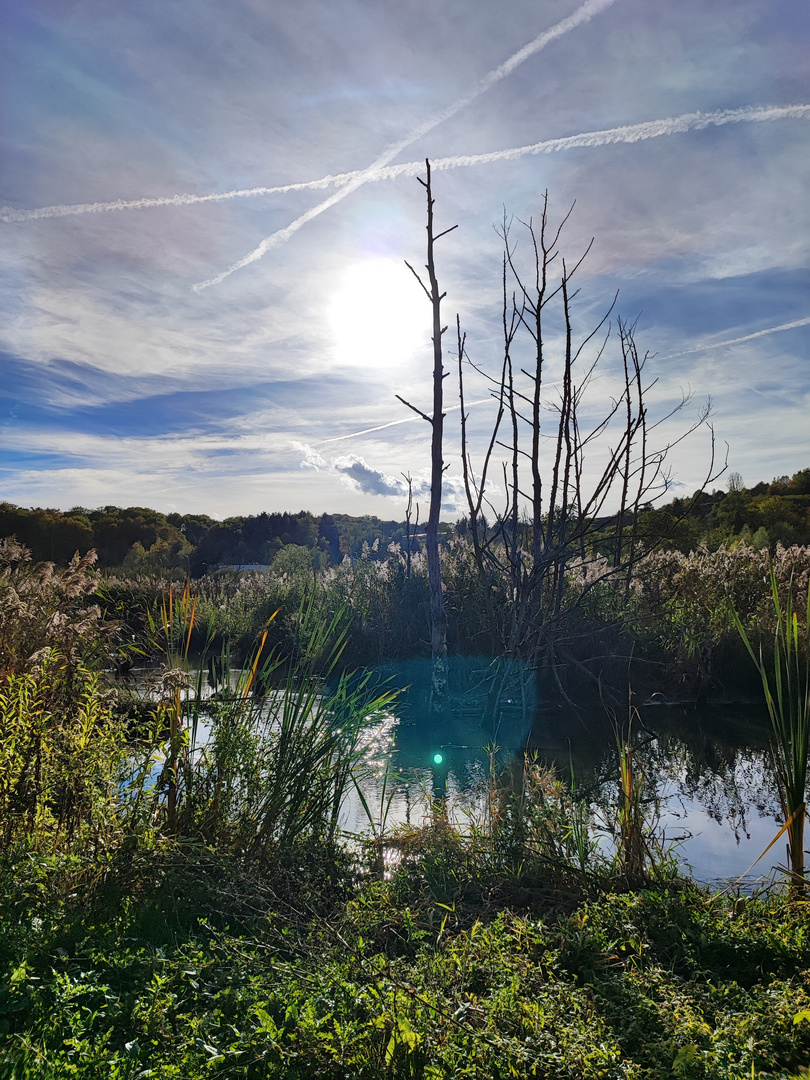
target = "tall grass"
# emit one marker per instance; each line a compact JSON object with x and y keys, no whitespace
{"x":249,"y":760}
{"x":261,"y":757}
{"x":633,"y":854}
{"x":175,"y":627}
{"x":787,"y":694}
{"x":60,"y":742}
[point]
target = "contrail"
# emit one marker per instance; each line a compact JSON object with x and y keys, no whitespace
{"x":368,"y":430}
{"x":649,"y":129}
{"x":10,"y":214}
{"x":629,"y":133}
{"x":739,"y":340}
{"x":393,"y":423}
{"x":582,"y":15}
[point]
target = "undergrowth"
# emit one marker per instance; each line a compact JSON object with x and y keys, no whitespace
{"x":179,"y":963}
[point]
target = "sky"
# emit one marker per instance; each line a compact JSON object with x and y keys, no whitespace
{"x":207,"y":209}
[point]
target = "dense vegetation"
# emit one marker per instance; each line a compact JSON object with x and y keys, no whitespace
{"x":182,"y":965}
{"x":177,"y":898}
{"x":141,"y":540}
{"x":672,"y":614}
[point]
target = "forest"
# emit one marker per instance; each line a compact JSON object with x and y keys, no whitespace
{"x":141,"y":540}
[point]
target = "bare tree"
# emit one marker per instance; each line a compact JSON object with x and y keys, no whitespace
{"x":573,"y":485}
{"x":438,"y":618}
{"x":410,"y":532}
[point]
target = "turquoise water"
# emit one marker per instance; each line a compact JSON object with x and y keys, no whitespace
{"x":712,"y":798}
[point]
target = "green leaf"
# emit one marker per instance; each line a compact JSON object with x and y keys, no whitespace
{"x":268,"y":1024}
{"x":19,"y":975}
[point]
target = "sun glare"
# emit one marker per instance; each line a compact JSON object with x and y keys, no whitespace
{"x":378,"y":316}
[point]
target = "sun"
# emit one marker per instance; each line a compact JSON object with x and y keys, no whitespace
{"x":378,"y":316}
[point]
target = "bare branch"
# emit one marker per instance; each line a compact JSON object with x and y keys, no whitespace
{"x":417,"y":411}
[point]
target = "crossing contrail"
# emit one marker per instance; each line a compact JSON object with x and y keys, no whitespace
{"x":582,"y":15}
{"x":739,"y":340}
{"x":649,"y":129}
{"x":628,"y":133}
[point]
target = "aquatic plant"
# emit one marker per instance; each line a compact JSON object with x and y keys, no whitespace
{"x":259,"y":757}
{"x":786,"y":683}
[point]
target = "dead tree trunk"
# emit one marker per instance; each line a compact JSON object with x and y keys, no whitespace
{"x":438,"y":618}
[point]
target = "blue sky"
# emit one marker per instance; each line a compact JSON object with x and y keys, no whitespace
{"x":172,"y":337}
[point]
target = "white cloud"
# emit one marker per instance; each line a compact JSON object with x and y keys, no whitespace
{"x":357,"y":475}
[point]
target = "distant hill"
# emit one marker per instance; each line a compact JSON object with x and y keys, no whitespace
{"x":137,"y":538}
{"x":764,"y":515}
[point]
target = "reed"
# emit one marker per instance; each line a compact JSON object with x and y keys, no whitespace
{"x":259,"y":757}
{"x":171,"y":629}
{"x":786,"y":683}
{"x":311,"y":744}
{"x":537,"y":824}
{"x":377,"y":822}
{"x":632,"y":851}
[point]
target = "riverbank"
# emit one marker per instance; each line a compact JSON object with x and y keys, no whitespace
{"x":175,"y":962}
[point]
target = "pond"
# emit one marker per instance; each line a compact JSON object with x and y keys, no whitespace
{"x":711,"y":793}
{"x":709,"y":775}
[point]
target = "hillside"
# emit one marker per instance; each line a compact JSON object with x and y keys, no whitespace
{"x":142,"y":539}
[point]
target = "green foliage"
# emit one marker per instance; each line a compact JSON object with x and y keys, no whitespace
{"x":647,"y":984}
{"x":234,"y":938}
{"x":279,"y":757}
{"x":538,"y":826}
{"x":59,"y":762}
{"x":775,"y":513}
{"x":60,"y":743}
{"x":179,"y":904}
{"x":787,"y":694}
{"x":48,"y":534}
{"x":686,"y":601}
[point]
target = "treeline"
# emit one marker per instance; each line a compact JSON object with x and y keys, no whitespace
{"x":143,"y":540}
{"x":762,"y":516}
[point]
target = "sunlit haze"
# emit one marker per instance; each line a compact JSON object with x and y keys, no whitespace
{"x":378,"y":316}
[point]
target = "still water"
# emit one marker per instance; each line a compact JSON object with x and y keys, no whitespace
{"x":710,"y":785}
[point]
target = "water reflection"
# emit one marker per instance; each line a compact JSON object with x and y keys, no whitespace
{"x":710,"y":780}
{"x":709,"y":771}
